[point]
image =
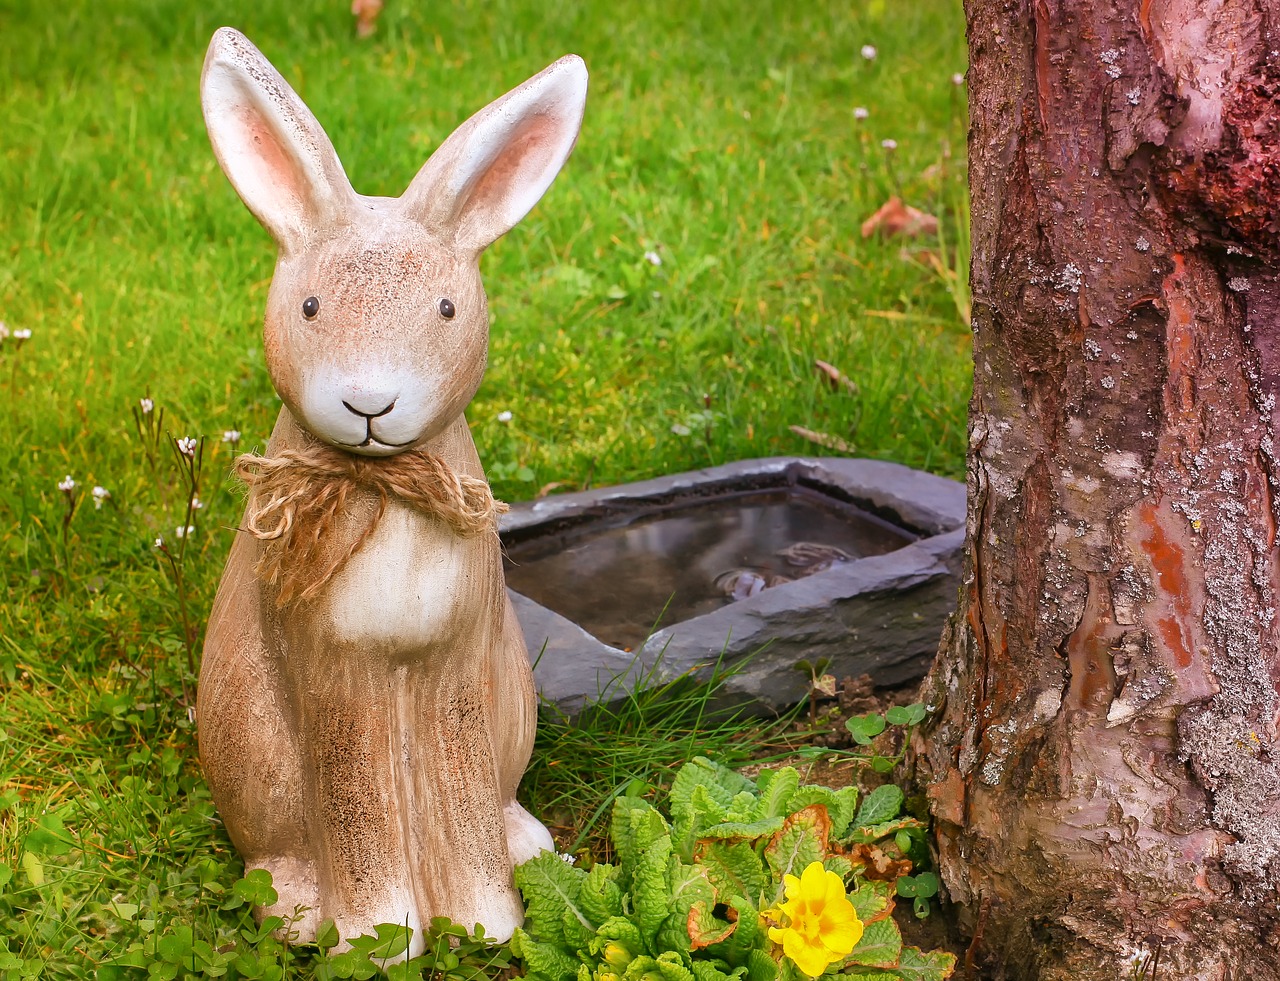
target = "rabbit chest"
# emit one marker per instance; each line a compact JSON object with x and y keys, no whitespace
{"x":414,"y":584}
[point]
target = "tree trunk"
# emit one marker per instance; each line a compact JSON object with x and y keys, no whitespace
{"x":1104,"y":768}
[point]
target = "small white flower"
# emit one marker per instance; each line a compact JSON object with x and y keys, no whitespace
{"x":889,"y":144}
{"x":187,"y":445}
{"x":653,"y":258}
{"x":860,"y":112}
{"x":146,"y":405}
{"x":159,"y":543}
{"x":183,"y":531}
{"x":67,"y":484}
{"x":869,"y":52}
{"x":957,"y":78}
{"x":22,"y":335}
{"x":100,"y":495}
{"x":568,"y":859}
{"x":231,"y":435}
{"x":504,"y":415}
{"x":196,"y":504}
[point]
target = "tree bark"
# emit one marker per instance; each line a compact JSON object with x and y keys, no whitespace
{"x":1103,"y":768}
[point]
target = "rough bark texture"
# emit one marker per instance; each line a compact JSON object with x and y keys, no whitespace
{"x":1104,"y":768}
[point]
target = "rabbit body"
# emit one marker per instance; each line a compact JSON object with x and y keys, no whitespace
{"x":365,"y":746}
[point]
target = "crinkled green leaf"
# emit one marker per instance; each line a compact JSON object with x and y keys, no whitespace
{"x":742,"y":808}
{"x":542,"y":961}
{"x":801,"y":841}
{"x":760,"y":966}
{"x":710,"y":971}
{"x":874,"y":832}
{"x":880,"y":946}
{"x":776,"y":788}
{"x":639,"y":967}
{"x":671,"y":967}
{"x":621,"y":929}
{"x":735,"y":869}
{"x":702,"y":810}
{"x":839,"y":804}
{"x":918,"y":965}
{"x":635,"y":825}
{"x":871,"y":900}
{"x":551,"y":887}
{"x":722,"y":783}
{"x":749,"y":935}
{"x":705,"y":928}
{"x":864,"y":974}
{"x":601,"y":895}
{"x":650,"y":889}
{"x":688,"y":885}
{"x":838,"y":864}
{"x":742,"y":829}
{"x":882,"y":804}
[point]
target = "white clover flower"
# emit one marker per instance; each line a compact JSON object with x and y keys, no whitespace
{"x":100,"y":495}
{"x":889,"y":144}
{"x":184,"y":531}
{"x":196,"y":504}
{"x":231,"y":435}
{"x":22,"y":335}
{"x":860,"y":112}
{"x":653,"y":258}
{"x":504,"y":415}
{"x":187,"y":445}
{"x":869,"y":52}
{"x":147,"y":405}
{"x":67,"y":484}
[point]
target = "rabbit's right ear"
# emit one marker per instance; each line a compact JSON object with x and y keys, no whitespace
{"x":269,"y":144}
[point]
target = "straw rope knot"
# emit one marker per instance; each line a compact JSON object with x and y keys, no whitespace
{"x":297,"y":496}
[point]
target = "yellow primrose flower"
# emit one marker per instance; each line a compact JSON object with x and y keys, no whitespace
{"x":823,"y":926}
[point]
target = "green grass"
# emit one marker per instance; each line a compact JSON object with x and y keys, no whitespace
{"x":719,"y":135}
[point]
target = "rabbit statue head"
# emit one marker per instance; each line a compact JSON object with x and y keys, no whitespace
{"x":363,"y":740}
{"x":376,"y":322}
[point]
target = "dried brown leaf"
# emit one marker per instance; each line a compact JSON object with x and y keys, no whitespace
{"x":835,"y":376}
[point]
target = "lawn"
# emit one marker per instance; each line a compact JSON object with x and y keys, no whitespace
{"x":720,"y":140}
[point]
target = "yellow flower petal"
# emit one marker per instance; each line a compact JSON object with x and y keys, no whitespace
{"x":809,"y":959}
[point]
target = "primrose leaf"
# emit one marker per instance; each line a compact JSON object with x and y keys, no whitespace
{"x":551,"y":888}
{"x":760,"y":966}
{"x":705,"y":928}
{"x":741,"y":829}
{"x":839,"y":804}
{"x":636,"y":825}
{"x":916,"y":965}
{"x":735,"y":870}
{"x":708,"y":971}
{"x":618,"y":928}
{"x":801,"y":840}
{"x":871,"y":901}
{"x":881,"y":805}
{"x":543,"y":962}
{"x":601,"y":896}
{"x":722,"y":784}
{"x":701,"y":811}
{"x":864,"y":974}
{"x":742,"y":808}
{"x":776,"y":788}
{"x":671,"y":967}
{"x":880,"y":946}
{"x":838,"y":864}
{"x":651,"y":889}
{"x":875,"y":832}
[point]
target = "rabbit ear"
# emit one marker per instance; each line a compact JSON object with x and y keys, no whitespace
{"x":269,"y":144}
{"x":494,"y":168}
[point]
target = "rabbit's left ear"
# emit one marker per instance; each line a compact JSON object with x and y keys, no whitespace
{"x":494,"y":168}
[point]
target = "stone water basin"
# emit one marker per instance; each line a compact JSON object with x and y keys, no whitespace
{"x":760,"y":562}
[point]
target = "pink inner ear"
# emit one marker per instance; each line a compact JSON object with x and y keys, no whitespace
{"x":514,"y":176}
{"x":277,"y":172}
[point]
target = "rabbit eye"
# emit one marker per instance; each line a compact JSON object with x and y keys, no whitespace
{"x":310,"y":307}
{"x":447,"y":309}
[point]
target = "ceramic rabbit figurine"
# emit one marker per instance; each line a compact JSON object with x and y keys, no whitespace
{"x":363,"y":730}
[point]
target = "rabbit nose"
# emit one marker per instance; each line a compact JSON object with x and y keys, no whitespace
{"x":367,"y":404}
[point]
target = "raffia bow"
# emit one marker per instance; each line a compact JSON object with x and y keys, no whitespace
{"x":299,"y":494}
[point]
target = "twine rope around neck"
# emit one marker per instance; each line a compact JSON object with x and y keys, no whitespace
{"x":297,"y":496}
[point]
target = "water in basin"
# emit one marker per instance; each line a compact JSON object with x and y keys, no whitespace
{"x":622,"y":576}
